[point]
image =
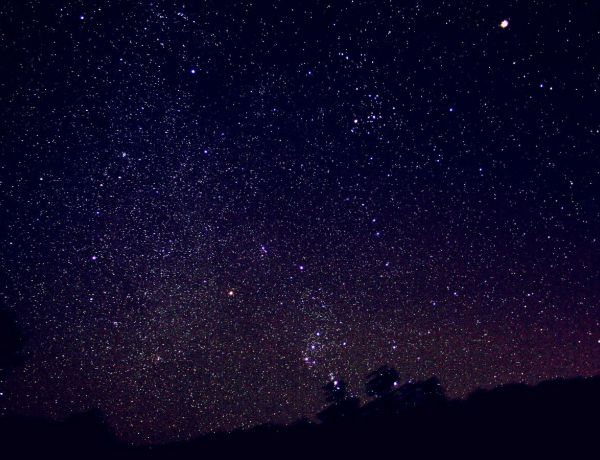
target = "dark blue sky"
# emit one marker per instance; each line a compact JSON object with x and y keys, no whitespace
{"x":209,"y":209}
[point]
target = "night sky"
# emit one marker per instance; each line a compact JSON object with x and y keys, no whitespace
{"x":209,"y":209}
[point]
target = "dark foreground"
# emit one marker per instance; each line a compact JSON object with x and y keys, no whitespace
{"x":556,"y":418}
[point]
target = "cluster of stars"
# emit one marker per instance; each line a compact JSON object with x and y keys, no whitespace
{"x":211,"y":211}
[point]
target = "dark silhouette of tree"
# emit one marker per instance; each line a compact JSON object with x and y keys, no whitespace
{"x":382,"y":382}
{"x":555,"y":416}
{"x":335,"y":391}
{"x":342,"y":406}
{"x":418,"y":394}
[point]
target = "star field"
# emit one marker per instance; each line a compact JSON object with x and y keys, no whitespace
{"x":210,"y":209}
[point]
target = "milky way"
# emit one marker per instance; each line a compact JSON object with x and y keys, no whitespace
{"x":210,"y":209}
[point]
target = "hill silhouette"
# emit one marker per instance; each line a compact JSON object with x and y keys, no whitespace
{"x":412,"y":419}
{"x":399,"y":420}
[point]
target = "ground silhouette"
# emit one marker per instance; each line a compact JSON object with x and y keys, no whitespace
{"x":401,"y":420}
